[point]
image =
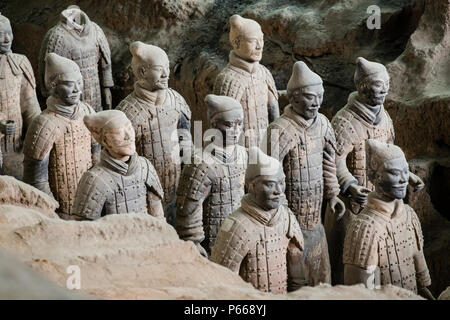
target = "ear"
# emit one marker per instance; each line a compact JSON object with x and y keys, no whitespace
{"x":237,"y":42}
{"x":141,"y":72}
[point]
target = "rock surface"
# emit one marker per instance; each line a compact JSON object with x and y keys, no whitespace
{"x":328,"y":35}
{"x":125,"y":257}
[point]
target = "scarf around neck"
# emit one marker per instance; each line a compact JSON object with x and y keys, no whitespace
{"x":389,"y":210}
{"x":370,"y":114}
{"x":290,"y":113}
{"x":262,"y":216}
{"x":238,"y":62}
{"x":72,"y":112}
{"x":154,"y":98}
{"x":118,"y":166}
{"x":7,"y":61}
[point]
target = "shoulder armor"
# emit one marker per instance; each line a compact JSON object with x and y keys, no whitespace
{"x":361,"y":241}
{"x":25,"y":65}
{"x":194,"y":181}
{"x":180,"y":103}
{"x":283,"y":139}
{"x":86,"y":108}
{"x":270,"y":82}
{"x":91,"y":194}
{"x":133,"y":109}
{"x":40,"y":136}
{"x":416,"y":225}
{"x":294,"y":230}
{"x":327,"y":131}
{"x":228,"y":84}
{"x":232,"y":242}
{"x":102,"y":43}
{"x":390,"y":126}
{"x":344,"y":131}
{"x":152,"y":179}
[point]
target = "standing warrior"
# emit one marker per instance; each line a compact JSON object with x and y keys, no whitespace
{"x":157,"y":112}
{"x":362,"y":118}
{"x":122,"y":182}
{"x":303,"y":140}
{"x":58,"y":147}
{"x":384,"y":243}
{"x":78,"y":38}
{"x":18,"y":102}
{"x":257,"y":239}
{"x":247,"y":81}
{"x":212,"y":187}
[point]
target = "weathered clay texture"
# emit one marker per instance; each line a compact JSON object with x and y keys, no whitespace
{"x":78,"y":38}
{"x":123,"y":257}
{"x":328,"y":35}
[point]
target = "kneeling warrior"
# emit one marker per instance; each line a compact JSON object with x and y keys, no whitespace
{"x":384,"y":243}
{"x":258,"y":239}
{"x":212,"y":187}
{"x":122,"y":182}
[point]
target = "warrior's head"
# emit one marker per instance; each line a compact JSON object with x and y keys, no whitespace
{"x":226,"y":115}
{"x":114,"y":131}
{"x":387,"y":168}
{"x":150,"y":66}
{"x":305,"y":91}
{"x":63,"y":79}
{"x":247,"y":38}
{"x":265,"y":180}
{"x":6,"y":35}
{"x":371,"y":81}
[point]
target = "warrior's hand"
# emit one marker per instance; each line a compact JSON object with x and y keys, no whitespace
{"x":108,"y":98}
{"x":337,"y":207}
{"x":201,"y":250}
{"x":416,"y":182}
{"x":358,"y":193}
{"x":424,"y":292}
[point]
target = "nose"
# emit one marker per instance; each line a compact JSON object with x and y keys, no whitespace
{"x":315,"y":101}
{"x":277,"y":189}
{"x":259,"y":44}
{"x":404,"y":177}
{"x":7,"y":38}
{"x":165,"y":73}
{"x":77,"y":87}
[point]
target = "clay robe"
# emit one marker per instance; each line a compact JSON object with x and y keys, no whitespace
{"x":78,"y":38}
{"x":18,"y":102}
{"x":120,"y":183}
{"x":384,"y":243}
{"x":58,"y":147}
{"x":247,"y":81}
{"x":362,"y":118}
{"x":305,"y":144}
{"x":256,"y":241}
{"x":212,"y":185}
{"x":157,"y":112}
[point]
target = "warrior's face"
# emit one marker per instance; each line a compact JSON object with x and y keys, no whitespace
{"x":156,"y":77}
{"x":230,"y":125}
{"x":249,"y":46}
{"x":69,"y":91}
{"x":307,"y":101}
{"x":373,"y":89}
{"x":267,"y":191}
{"x":120,"y":140}
{"x":6,"y":37}
{"x":393,"y":178}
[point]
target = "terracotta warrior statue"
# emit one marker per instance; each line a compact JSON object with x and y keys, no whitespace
{"x":157,"y":114}
{"x":258,"y":238}
{"x":18,"y":102}
{"x":58,"y":147}
{"x":78,"y":38}
{"x":303,"y":140}
{"x":247,"y":81}
{"x":211,"y":187}
{"x":384,"y":242}
{"x":123,"y":181}
{"x":364,"y":117}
